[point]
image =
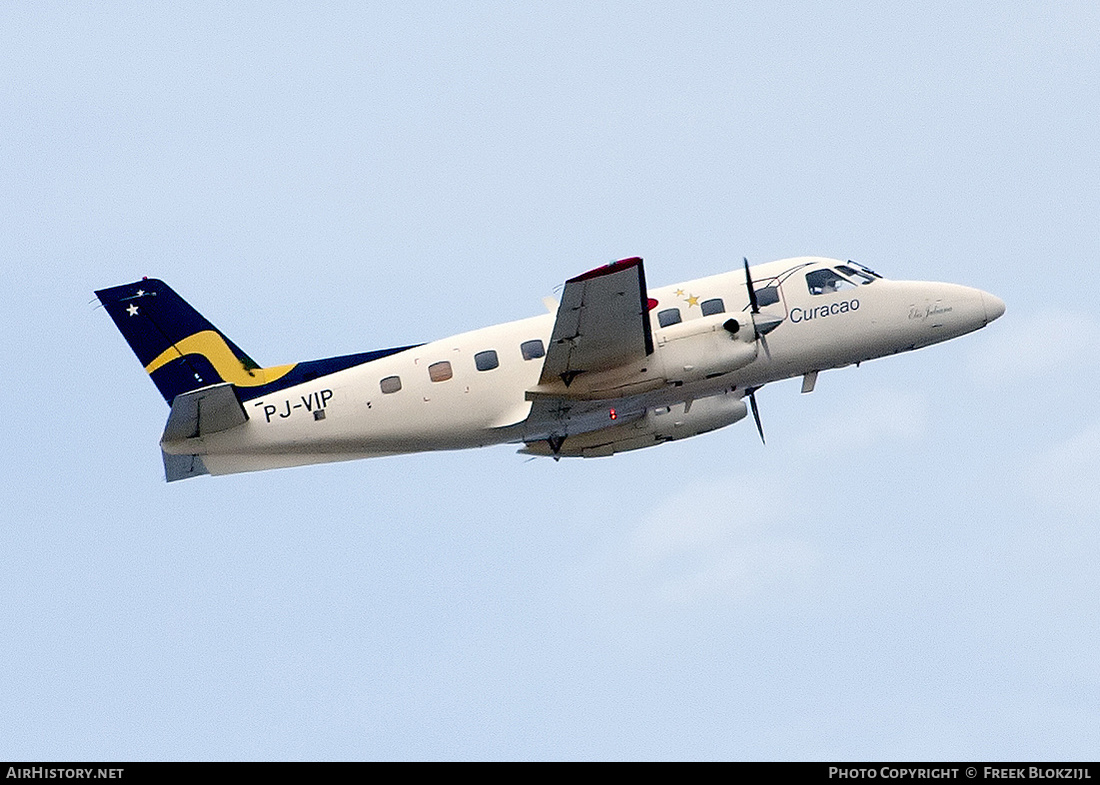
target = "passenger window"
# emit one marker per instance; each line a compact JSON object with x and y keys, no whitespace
{"x":486,"y":361}
{"x":827,"y":282}
{"x":440,"y":372}
{"x":390,"y":384}
{"x":669,"y":317}
{"x":532,"y":350}
{"x":711,"y":307}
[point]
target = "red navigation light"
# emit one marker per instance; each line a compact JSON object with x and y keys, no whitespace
{"x":614,"y":416}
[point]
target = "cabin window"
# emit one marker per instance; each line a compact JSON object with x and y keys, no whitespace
{"x":532,"y":350}
{"x":668,"y":317}
{"x":827,"y":282}
{"x":486,"y":361}
{"x":711,"y":307}
{"x":440,"y":372}
{"x":390,"y":384}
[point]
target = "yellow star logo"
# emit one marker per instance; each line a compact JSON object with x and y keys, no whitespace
{"x":692,"y":300}
{"x":679,"y":292}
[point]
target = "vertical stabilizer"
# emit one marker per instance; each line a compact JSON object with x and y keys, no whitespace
{"x":179,"y":348}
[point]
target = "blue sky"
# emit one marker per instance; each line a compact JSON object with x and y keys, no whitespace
{"x":906,"y":571}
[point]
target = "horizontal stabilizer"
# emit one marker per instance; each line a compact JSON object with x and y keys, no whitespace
{"x":202,"y":412}
{"x":180,"y":467}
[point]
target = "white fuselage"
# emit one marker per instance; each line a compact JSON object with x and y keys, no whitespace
{"x":349,"y":415}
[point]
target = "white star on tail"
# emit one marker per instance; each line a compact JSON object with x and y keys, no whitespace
{"x":132,"y":310}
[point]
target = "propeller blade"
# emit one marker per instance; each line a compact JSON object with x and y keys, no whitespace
{"x":756,"y":331}
{"x":756,"y":415}
{"x":760,"y":326}
{"x":752,"y":292}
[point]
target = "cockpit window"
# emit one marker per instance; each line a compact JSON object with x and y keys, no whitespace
{"x":768,"y":295}
{"x":827,"y":282}
{"x":856,"y":275}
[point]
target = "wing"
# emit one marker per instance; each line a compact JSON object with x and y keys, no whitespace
{"x":602,"y":323}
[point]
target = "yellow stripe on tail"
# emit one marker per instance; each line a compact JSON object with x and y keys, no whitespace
{"x":214,"y":348}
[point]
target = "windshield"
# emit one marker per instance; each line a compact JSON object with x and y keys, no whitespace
{"x":857,"y":275}
{"x":863,"y":269}
{"x":827,"y":281}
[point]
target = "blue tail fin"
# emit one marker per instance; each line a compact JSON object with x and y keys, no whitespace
{"x":183,"y":352}
{"x":180,"y":349}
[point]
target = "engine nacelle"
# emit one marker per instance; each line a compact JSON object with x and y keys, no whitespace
{"x":705,"y":348}
{"x":691,"y":418}
{"x":660,"y":424}
{"x":697,"y":349}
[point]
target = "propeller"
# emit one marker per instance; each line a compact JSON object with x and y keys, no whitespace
{"x":756,"y":413}
{"x":761,"y":325}
{"x":752,"y":292}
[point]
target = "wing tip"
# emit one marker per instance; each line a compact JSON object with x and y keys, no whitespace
{"x":608,"y":269}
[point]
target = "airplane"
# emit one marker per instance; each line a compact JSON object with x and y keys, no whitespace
{"x":615,"y":366}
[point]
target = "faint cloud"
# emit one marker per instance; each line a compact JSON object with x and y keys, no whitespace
{"x":1067,"y":475}
{"x":717,"y":541}
{"x":1037,"y":344}
{"x":873,"y":416}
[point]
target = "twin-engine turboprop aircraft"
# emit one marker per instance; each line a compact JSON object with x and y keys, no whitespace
{"x":618,"y":368}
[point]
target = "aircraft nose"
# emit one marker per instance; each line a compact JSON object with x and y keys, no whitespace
{"x":994,"y":306}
